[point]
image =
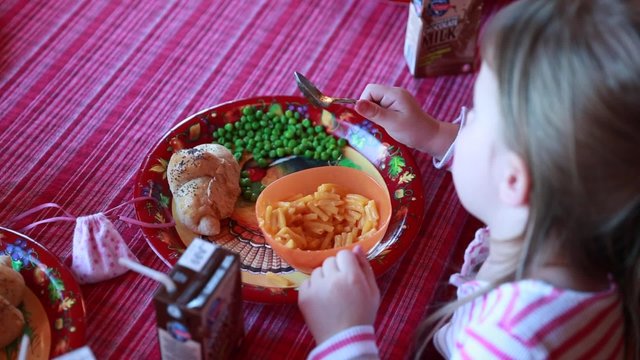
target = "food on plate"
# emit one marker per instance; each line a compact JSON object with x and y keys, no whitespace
{"x":12,"y":290}
{"x":267,"y":134}
{"x":12,"y":285}
{"x":11,"y":322}
{"x":204,"y":181}
{"x":328,"y":218}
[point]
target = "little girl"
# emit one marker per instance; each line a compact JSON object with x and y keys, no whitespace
{"x":549,"y":160}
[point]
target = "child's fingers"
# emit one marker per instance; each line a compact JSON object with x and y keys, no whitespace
{"x":365,"y":266}
{"x":329,"y":266}
{"x":375,"y":112}
{"x":379,"y":94}
{"x":346,"y":261}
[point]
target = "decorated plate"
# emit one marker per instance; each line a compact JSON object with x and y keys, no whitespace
{"x":344,"y":139}
{"x":53,"y":307}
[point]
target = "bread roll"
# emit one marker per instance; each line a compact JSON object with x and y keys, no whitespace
{"x":11,"y":285}
{"x":11,"y":322}
{"x":204,"y":181}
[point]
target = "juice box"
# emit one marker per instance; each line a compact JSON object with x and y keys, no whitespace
{"x":202,"y":318}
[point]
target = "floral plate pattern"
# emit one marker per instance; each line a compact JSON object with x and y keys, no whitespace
{"x":369,"y":149}
{"x":54,"y":288}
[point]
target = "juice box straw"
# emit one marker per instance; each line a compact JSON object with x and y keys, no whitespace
{"x":163,"y":278}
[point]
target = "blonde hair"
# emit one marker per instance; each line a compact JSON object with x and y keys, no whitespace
{"x":568,"y":73}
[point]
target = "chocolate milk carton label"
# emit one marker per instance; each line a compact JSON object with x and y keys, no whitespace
{"x":441,"y":36}
{"x":202,"y":319}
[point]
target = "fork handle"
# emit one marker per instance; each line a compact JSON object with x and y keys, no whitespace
{"x":344,"y":101}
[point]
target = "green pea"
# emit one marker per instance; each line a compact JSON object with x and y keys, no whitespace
{"x":267,"y":146}
{"x":319,"y":129}
{"x":239,"y":142}
{"x":270,"y":115}
{"x":243,"y":118}
{"x":251,"y":133}
{"x":257,"y":154}
{"x":222,"y":140}
{"x":277,"y":143}
{"x":308,"y":154}
{"x":251,"y":118}
{"x":335,"y":154}
{"x":306,"y":123}
{"x":254,"y":197}
{"x":259,"y":114}
{"x":214,"y":134}
{"x":237,"y":155}
{"x":296,"y":115}
{"x":273,"y":154}
{"x":342,"y":142}
{"x":289,"y":134}
{"x":292,"y":121}
{"x":310,"y":131}
{"x":324,"y":155}
{"x":242,"y":132}
{"x":288,"y":113}
{"x":262,"y":163}
{"x":245,"y":182}
{"x":316,"y":155}
{"x":237,"y":124}
{"x":280,"y":152}
{"x":239,"y":149}
{"x":263,"y":123}
{"x":228,"y":145}
{"x":246,"y":110}
{"x":255,"y":125}
{"x":288,"y":150}
{"x":297,"y":150}
{"x":244,"y":173}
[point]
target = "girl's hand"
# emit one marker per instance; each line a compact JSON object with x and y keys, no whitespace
{"x":340,"y":294}
{"x":398,"y":112}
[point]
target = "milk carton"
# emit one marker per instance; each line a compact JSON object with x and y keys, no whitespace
{"x":441,"y":36}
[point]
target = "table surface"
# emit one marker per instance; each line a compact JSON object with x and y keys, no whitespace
{"x":88,"y":87}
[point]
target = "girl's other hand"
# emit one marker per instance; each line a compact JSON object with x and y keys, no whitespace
{"x":340,"y":294}
{"x":398,"y":112}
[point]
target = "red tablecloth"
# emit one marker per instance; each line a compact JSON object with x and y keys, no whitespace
{"x":87,"y":87}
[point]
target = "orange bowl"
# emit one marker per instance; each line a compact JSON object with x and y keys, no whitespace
{"x":306,"y":182}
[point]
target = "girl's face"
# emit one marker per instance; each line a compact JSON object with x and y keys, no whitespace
{"x":478,"y":148}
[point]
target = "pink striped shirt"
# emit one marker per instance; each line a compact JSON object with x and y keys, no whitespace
{"x":527,"y":319}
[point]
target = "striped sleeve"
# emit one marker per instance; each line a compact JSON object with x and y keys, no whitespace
{"x":355,"y":342}
{"x":490,"y":341}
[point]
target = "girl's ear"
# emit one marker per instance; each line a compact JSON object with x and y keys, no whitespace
{"x":515,"y":182}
